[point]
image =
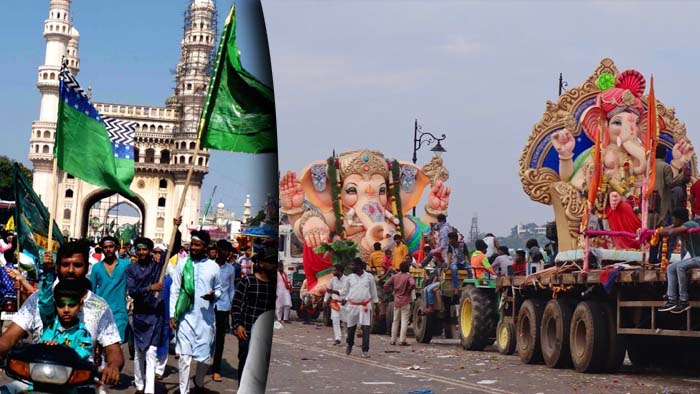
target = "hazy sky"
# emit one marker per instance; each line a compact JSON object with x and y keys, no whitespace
{"x":352,"y":75}
{"x":127,"y":51}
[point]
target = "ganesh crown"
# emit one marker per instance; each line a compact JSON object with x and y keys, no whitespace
{"x":621,"y":93}
{"x":364,"y":163}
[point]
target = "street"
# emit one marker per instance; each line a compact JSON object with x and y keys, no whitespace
{"x":304,"y":360}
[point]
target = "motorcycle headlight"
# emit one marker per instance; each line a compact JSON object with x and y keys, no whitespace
{"x":49,"y":373}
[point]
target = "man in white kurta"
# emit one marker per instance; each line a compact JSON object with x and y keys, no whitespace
{"x":196,"y":328}
{"x":360,"y":291}
{"x":334,"y":297}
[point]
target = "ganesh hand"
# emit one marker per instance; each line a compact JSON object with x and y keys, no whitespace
{"x":315,"y":232}
{"x":439,"y":197}
{"x":564,"y":143}
{"x":291,"y":193}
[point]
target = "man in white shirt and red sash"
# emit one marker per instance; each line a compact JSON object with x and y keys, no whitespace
{"x":360,"y":292}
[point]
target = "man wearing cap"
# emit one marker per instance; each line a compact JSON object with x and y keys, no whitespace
{"x":147,"y":321}
{"x":193,"y":294}
{"x":108,"y":279}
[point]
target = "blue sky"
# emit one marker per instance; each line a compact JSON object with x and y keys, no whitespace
{"x":127,"y":50}
{"x":351,"y":75}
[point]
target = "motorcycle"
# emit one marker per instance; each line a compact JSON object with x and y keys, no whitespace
{"x":50,"y":369}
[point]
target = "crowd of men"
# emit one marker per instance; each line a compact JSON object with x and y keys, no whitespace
{"x":386,"y":276}
{"x":133,"y":295}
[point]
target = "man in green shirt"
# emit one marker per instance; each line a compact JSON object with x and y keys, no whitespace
{"x":677,"y":273}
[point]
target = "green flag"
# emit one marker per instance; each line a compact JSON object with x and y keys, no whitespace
{"x":239,"y":114}
{"x":96,"y":149}
{"x":32,"y":221}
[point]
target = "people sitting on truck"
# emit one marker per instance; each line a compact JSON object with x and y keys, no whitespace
{"x":502,"y":262}
{"x":432,"y":283}
{"x":457,"y":255}
{"x":429,"y":257}
{"x":480,"y":263}
{"x":536,"y":257}
{"x":493,"y":246}
{"x":388,"y":260}
{"x":677,"y":273}
{"x":520,"y":263}
{"x":376,"y":260}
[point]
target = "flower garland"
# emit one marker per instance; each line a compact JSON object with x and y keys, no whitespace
{"x":334,"y":180}
{"x":395,"y":193}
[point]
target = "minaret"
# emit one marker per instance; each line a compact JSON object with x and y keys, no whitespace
{"x":191,"y":82}
{"x":246,"y":209}
{"x":61,"y":40}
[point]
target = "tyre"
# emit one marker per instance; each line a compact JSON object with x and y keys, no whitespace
{"x":423,"y":325}
{"x":505,"y":338}
{"x":528,"y":331}
{"x":477,"y":318}
{"x":379,"y":326}
{"x":389,"y":317}
{"x":554,"y":333}
{"x":617,"y":345}
{"x":588,"y":337}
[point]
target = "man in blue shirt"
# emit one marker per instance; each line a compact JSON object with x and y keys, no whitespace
{"x":223,"y":304}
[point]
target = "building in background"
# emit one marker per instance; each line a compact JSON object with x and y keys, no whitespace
{"x":165,"y":135}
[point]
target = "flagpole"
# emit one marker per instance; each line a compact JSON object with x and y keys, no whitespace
{"x":180,"y":206}
{"x":206,"y":210}
{"x":53,"y":203}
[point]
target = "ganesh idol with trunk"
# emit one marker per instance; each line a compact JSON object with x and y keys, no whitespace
{"x":361,"y":196}
{"x":590,"y":155}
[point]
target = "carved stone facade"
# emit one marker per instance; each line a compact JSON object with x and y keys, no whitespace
{"x":165,"y":136}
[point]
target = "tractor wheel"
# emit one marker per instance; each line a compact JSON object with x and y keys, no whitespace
{"x":528,"y":331}
{"x":422,"y":323}
{"x":588,"y":337}
{"x":477,"y":318}
{"x":554,"y":333}
{"x":617,"y":344}
{"x":505,"y":338}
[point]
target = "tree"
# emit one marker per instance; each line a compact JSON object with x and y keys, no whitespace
{"x":6,"y":186}
{"x":254,"y":222}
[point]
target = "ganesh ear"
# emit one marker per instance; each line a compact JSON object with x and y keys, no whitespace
{"x":591,"y":119}
{"x":316,"y":185}
{"x":412,"y":182}
{"x":644,"y":125}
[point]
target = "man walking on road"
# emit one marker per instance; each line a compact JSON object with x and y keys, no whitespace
{"x":333,"y":297}
{"x":255,"y":294}
{"x":403,"y":285}
{"x":195,"y":289}
{"x":360,"y":293}
{"x":108,"y":279}
{"x":223,"y":304}
{"x":142,"y":280}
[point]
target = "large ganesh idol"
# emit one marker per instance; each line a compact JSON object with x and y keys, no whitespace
{"x":360,"y":196}
{"x":558,"y":163}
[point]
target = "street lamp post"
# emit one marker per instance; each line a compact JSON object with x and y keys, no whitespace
{"x":562,"y":84}
{"x":418,"y":141}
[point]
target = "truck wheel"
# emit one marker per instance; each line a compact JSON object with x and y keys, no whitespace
{"x":477,"y":318}
{"x":301,"y":314}
{"x":556,"y":322}
{"x":528,"y":331}
{"x":616,"y":343}
{"x":422,"y":323}
{"x":505,"y":338}
{"x":389,"y":317}
{"x":588,"y":337}
{"x":378,"y":321}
